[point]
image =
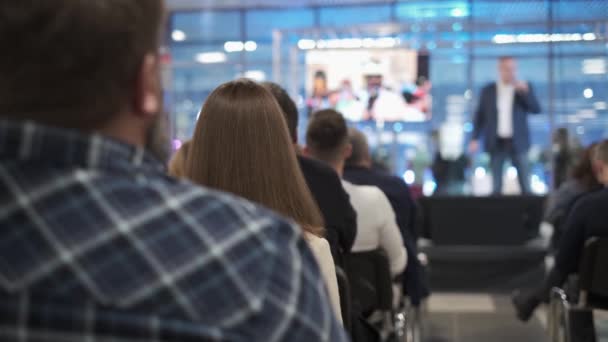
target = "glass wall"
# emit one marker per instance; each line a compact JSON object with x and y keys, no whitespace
{"x":561,"y":48}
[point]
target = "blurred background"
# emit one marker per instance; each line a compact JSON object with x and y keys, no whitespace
{"x":561,"y":48}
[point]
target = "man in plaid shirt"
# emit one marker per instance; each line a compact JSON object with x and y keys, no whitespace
{"x":96,"y":243}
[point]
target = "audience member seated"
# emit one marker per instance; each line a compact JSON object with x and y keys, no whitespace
{"x":241,"y":145}
{"x":177,"y":164}
{"x":327,"y":140}
{"x":96,"y":242}
{"x":582,"y":181}
{"x":359,"y":171}
{"x":588,"y":219}
{"x":324,"y":184}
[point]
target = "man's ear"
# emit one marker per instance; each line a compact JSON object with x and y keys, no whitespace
{"x":305,"y":151}
{"x":348,"y":151}
{"x":148,"y":93}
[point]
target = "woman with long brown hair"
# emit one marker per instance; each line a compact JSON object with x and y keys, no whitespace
{"x":241,"y":145}
{"x":177,"y":164}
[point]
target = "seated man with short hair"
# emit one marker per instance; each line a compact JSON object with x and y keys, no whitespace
{"x":96,"y":242}
{"x":327,"y":140}
{"x":359,"y":171}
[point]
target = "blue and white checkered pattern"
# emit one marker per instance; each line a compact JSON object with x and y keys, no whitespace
{"x":97,"y":244}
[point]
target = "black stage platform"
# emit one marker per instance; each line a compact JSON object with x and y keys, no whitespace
{"x":485,"y":244}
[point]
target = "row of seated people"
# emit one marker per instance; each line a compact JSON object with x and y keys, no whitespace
{"x":97,"y":242}
{"x":249,"y":149}
{"x":579,"y":211}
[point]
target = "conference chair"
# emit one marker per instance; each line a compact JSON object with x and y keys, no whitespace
{"x":372,"y":289}
{"x":345,"y":299}
{"x":571,"y":319}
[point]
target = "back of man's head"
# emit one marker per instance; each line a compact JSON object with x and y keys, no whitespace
{"x":360,"y":154}
{"x":327,"y":135}
{"x":600,"y":157}
{"x":74,"y":63}
{"x":601,"y":152}
{"x":288,"y":107}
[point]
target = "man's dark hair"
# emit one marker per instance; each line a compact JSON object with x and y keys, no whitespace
{"x":288,"y":107}
{"x":73,"y":63}
{"x":505,"y":58}
{"x":327,"y":133}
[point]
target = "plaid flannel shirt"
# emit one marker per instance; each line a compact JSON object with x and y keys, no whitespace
{"x":97,"y":244}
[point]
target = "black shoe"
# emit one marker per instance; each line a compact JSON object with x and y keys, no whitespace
{"x":525,"y":305}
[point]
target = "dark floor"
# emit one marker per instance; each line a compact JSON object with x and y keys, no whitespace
{"x":477,"y":318}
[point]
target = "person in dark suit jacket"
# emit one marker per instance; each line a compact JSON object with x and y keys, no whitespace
{"x":502,"y":120}
{"x":359,"y":171}
{"x":587,"y":220}
{"x":324,"y":183}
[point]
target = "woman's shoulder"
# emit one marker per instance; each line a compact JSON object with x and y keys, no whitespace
{"x":316,"y":242}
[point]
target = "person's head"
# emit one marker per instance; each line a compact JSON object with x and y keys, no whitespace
{"x":561,"y":137}
{"x":585,"y":171}
{"x":319,"y":83}
{"x":177,"y":164}
{"x":507,"y":69}
{"x":327,"y":138}
{"x":86,"y":65}
{"x":360,"y":155}
{"x":288,"y":107}
{"x":601,"y":160}
{"x":374,"y":81}
{"x":241,"y":145}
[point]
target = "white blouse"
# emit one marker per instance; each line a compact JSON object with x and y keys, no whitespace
{"x":376,"y":225}
{"x":320,"y":249}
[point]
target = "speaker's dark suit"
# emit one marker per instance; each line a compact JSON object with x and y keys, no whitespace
{"x":486,"y":127}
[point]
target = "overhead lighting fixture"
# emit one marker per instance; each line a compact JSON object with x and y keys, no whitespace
{"x":211,"y":57}
{"x":458,"y":12}
{"x":348,"y":43}
{"x":600,"y":105}
{"x":588,"y":93}
{"x":594,"y":66}
{"x":542,"y":38}
{"x":250,"y":46}
{"x":307,"y":44}
{"x":238,"y":46}
{"x":234,"y":46}
{"x":256,"y":75}
{"x":178,"y":36}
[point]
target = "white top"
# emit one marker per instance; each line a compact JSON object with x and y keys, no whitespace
{"x":376,"y":225}
{"x":505,"y":96}
{"x":320,"y":249}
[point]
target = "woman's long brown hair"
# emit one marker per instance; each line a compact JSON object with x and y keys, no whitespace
{"x":242,"y":146}
{"x":177,"y":164}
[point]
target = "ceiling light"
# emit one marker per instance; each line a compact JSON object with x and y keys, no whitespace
{"x":256,"y":75}
{"x":594,"y":66}
{"x":234,"y":46}
{"x":211,"y":57}
{"x":542,"y":38}
{"x":458,"y":12}
{"x":250,"y":46}
{"x":307,"y":44}
{"x":178,"y":36}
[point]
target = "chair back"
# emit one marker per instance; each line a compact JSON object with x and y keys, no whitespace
{"x":593,"y":275}
{"x":370,"y":280}
{"x":345,"y":298}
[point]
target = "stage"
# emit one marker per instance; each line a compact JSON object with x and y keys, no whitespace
{"x":489,"y":244}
